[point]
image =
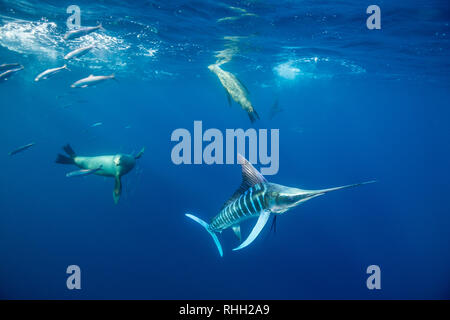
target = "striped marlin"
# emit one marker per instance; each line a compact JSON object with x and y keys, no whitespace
{"x":257,"y":198}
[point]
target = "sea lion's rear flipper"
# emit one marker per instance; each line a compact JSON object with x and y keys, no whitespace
{"x":117,"y":190}
{"x":253,"y":115}
{"x":68,"y":149}
{"x":64,"y":160}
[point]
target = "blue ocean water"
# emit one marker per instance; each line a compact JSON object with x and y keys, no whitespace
{"x":357,"y":104}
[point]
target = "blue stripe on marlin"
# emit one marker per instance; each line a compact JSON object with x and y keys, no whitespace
{"x":242,"y":206}
{"x":245,"y":204}
{"x":250,"y":198}
{"x":257,"y":198}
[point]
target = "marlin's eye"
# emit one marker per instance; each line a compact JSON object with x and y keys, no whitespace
{"x":278,"y":199}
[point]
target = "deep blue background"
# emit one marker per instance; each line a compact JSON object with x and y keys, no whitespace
{"x":375,"y":105}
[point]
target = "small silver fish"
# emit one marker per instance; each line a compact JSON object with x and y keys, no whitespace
{"x":8,"y":66}
{"x":275,"y":110}
{"x":81,"y":32}
{"x":90,"y":81}
{"x":5,"y":75}
{"x":78,"y":52}
{"x":22,"y":148}
{"x":49,"y":72}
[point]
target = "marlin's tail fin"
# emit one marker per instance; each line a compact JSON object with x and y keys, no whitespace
{"x":64,"y":160}
{"x":205,"y":225}
{"x":253,"y":115}
{"x":68,"y":149}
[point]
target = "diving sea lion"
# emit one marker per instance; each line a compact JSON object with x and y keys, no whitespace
{"x":235,"y":90}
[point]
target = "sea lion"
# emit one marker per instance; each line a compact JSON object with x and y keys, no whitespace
{"x":109,"y":166}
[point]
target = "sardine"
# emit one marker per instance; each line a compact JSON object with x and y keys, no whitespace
{"x":50,"y":72}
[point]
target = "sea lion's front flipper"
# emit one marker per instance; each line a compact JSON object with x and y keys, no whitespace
{"x":253,"y":115}
{"x":117,"y":190}
{"x":243,"y":86}
{"x":140,"y":153}
{"x":228,"y":97}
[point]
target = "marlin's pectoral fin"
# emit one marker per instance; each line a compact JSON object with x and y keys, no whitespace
{"x":262,"y":220}
{"x":117,"y":190}
{"x":237,"y":232}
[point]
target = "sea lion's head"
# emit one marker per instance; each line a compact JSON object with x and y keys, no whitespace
{"x":213,"y":67}
{"x":124,"y":163}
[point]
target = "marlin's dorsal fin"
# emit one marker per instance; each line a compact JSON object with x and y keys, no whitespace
{"x":250,"y":177}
